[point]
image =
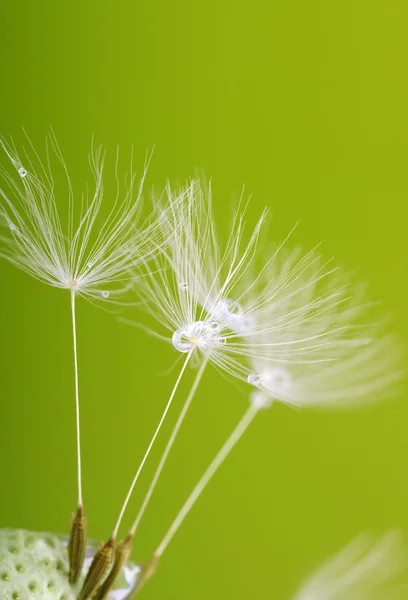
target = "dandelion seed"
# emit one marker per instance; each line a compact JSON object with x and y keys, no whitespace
{"x":81,"y":259}
{"x":202,"y":332}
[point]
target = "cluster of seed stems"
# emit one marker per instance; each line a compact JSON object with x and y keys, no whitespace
{"x":111,"y":556}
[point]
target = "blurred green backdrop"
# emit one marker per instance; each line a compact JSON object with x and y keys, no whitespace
{"x":306,"y":104}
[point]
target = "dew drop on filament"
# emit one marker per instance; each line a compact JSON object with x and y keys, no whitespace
{"x":183,"y":286}
{"x":22,"y":172}
{"x":105,"y":294}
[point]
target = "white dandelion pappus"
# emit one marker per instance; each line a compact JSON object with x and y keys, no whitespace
{"x":90,"y":259}
{"x":318,"y":343}
{"x":170,"y":291}
{"x":195,"y":290}
{"x":368,"y":568}
{"x":293,"y":327}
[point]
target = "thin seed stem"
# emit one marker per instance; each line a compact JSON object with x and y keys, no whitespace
{"x":215,"y":464}
{"x":136,"y":477}
{"x":78,"y":434}
{"x":169,"y":446}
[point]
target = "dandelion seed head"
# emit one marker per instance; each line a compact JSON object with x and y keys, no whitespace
{"x":36,"y":565}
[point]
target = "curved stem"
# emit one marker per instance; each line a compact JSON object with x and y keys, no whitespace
{"x":169,"y":446}
{"x":136,"y":477}
{"x":78,"y":433}
{"x":215,"y":464}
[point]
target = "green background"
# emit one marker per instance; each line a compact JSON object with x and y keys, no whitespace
{"x":306,"y":104}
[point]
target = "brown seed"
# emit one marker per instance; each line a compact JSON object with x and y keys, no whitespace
{"x":77,"y":544}
{"x":147,"y":571}
{"x":102,"y":560}
{"x":123,"y":550}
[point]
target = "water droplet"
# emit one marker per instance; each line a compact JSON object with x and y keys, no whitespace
{"x":276,"y":381}
{"x":183,"y":286}
{"x":105,"y":294}
{"x":254,"y":379}
{"x":221,"y":340}
{"x":214,"y":326}
{"x":232,"y":308}
{"x":196,"y":335}
{"x":181,"y":341}
{"x":22,"y":172}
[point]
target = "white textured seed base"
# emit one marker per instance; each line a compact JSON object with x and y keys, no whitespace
{"x":35,"y":565}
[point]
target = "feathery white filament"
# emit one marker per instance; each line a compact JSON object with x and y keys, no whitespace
{"x":366,"y":569}
{"x":209,"y":473}
{"x":90,"y":254}
{"x":169,"y":446}
{"x":136,"y":477}
{"x":77,"y":416}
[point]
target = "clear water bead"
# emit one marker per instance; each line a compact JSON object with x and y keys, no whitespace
{"x":276,"y":381}
{"x":232,"y":315}
{"x":231,"y":307}
{"x":254,"y":379}
{"x":183,"y":286}
{"x":196,"y":335}
{"x":105,"y":294}
{"x":22,"y":172}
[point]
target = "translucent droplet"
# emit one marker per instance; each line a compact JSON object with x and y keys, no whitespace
{"x":105,"y":294}
{"x":221,"y":341}
{"x":232,"y":307}
{"x":22,"y":172}
{"x":254,"y":379}
{"x":214,"y":326}
{"x":196,"y":335}
{"x":181,"y":341}
{"x":183,"y":286}
{"x":276,"y":381}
